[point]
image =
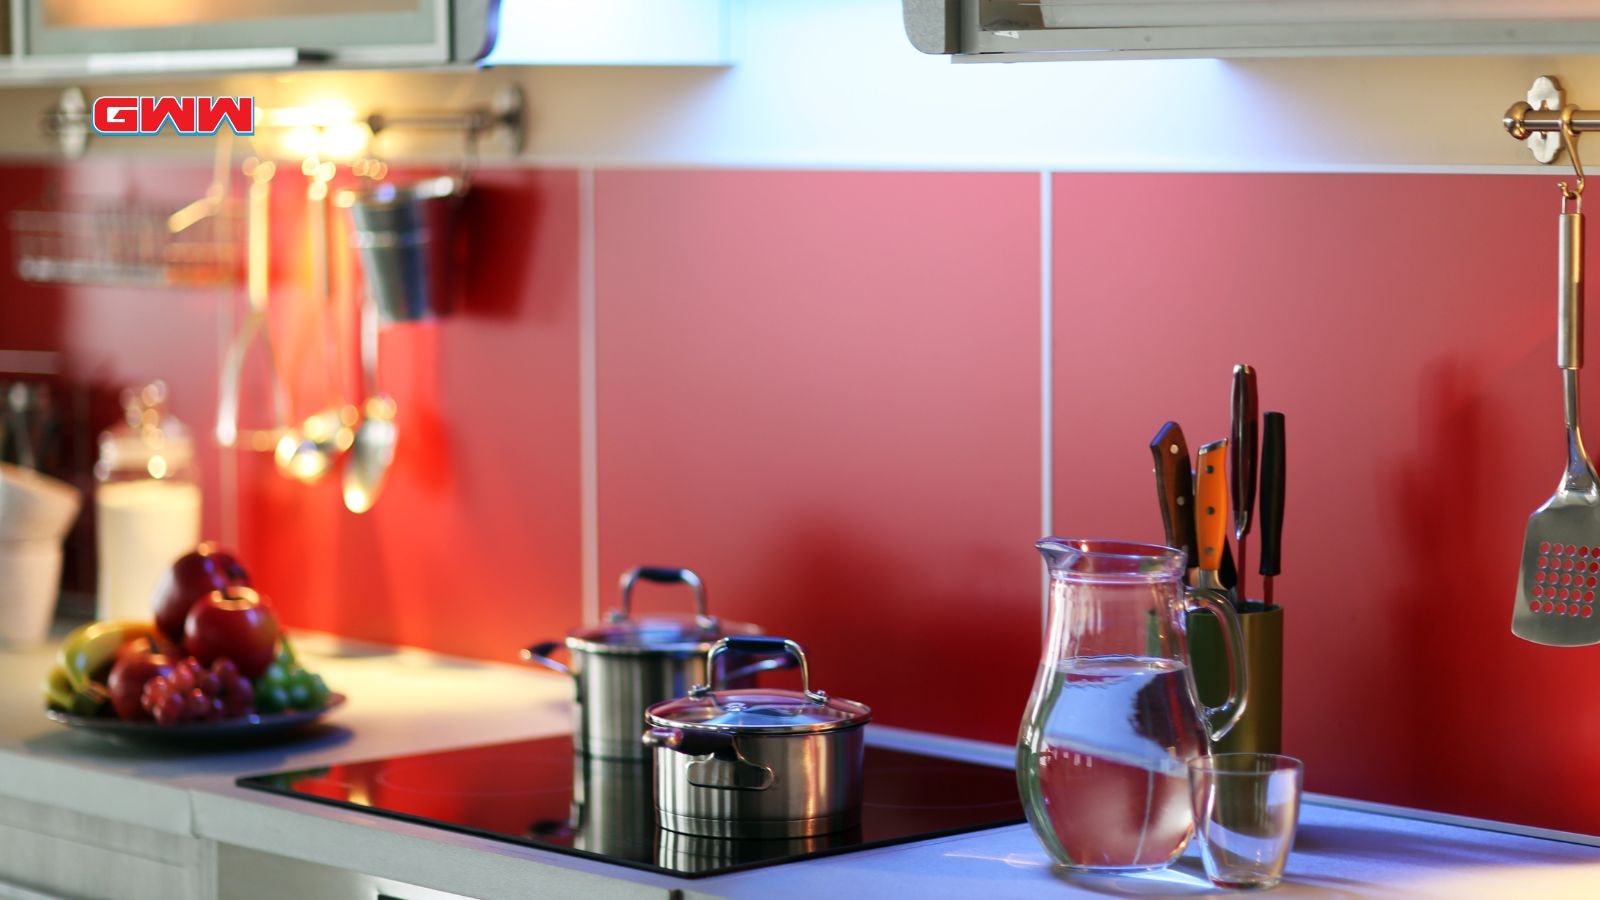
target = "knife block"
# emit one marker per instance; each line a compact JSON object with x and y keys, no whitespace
{"x":1260,"y":728}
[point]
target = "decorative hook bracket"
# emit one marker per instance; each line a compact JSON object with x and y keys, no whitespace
{"x":1545,"y":96}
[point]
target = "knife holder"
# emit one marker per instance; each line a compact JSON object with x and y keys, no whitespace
{"x":1260,"y":728}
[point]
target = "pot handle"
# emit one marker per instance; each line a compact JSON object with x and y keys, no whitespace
{"x":780,"y":648}
{"x":691,"y":743}
{"x":539,"y":655}
{"x":662,"y":575}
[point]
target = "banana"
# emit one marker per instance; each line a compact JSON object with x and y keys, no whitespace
{"x":58,"y":689}
{"x":89,"y":650}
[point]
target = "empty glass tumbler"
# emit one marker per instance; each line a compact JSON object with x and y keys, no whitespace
{"x":1246,"y":806}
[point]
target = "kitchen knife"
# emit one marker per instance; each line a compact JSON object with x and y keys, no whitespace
{"x":1211,"y":512}
{"x":1175,"y":488}
{"x":1242,"y":462}
{"x":1272,"y":480}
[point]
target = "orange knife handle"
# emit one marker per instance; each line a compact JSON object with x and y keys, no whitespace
{"x":1211,"y":520}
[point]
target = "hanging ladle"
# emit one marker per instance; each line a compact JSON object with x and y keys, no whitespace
{"x":378,"y":432}
{"x":308,"y":452}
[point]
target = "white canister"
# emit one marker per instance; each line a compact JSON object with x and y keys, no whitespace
{"x":147,"y":504}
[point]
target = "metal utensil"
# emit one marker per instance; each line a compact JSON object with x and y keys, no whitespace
{"x":308,"y":452}
{"x":1561,"y":550}
{"x":1242,"y":464}
{"x":376,"y":436}
{"x":1175,"y":489}
{"x":1211,"y":513}
{"x":1272,"y":485}
{"x":257,"y":289}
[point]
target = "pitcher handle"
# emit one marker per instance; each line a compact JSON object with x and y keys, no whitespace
{"x":1216,"y":602}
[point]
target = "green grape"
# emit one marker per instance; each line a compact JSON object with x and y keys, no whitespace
{"x":299,"y":687}
{"x":272,"y":699}
{"x":318,"y":690}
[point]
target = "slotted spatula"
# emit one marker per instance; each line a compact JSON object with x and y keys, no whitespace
{"x":1561,"y":552}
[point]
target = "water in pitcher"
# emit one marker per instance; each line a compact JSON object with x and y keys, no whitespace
{"x":1110,"y":761}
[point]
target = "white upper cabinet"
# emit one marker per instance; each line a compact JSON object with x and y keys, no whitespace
{"x":1012,"y":30}
{"x":56,"y":38}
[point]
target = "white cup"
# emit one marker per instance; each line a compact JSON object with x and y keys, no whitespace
{"x":30,"y":579}
{"x":35,"y":507}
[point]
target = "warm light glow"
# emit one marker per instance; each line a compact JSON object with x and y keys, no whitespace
{"x":157,"y":467}
{"x":328,"y":130}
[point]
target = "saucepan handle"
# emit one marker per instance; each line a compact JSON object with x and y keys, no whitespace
{"x":692,"y":743}
{"x":661,"y":575}
{"x":775,"y":648}
{"x":539,"y":655}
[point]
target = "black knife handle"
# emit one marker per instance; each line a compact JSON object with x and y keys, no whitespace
{"x":1242,"y":448}
{"x":1272,"y":483}
{"x":1175,"y":488}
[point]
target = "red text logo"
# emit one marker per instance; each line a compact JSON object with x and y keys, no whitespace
{"x":185,"y":115}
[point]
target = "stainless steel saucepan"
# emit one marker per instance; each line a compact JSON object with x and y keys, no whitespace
{"x":624,"y":665}
{"x":756,"y":763}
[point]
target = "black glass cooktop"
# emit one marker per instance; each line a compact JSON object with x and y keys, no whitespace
{"x":540,"y":794}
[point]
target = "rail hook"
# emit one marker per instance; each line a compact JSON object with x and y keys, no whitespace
{"x":1569,"y":137}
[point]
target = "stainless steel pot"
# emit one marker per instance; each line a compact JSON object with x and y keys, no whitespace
{"x":626,"y":664}
{"x":758,"y":763}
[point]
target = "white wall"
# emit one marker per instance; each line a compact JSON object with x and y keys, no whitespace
{"x":826,"y":83}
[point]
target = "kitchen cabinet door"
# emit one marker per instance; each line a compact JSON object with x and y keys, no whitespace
{"x":1012,"y":30}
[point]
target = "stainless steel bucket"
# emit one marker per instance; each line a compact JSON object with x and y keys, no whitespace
{"x":623,"y":666}
{"x":405,"y":236}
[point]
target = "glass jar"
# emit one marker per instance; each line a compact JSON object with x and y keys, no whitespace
{"x":147,"y":502}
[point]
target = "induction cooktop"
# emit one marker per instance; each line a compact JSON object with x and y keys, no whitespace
{"x":540,"y":794}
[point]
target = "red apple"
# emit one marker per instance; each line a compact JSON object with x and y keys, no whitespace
{"x":136,"y":664}
{"x":193,"y":576}
{"x":235,"y":622}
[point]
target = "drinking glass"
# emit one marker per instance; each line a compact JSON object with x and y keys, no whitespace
{"x":1246,"y":806}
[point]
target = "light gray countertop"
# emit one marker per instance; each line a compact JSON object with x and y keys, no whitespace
{"x":409,"y":701}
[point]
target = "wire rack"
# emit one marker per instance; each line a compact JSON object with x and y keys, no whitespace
{"x":118,"y":245}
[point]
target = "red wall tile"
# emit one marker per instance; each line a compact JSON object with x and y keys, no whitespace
{"x":473,"y":545}
{"x":820,"y":390}
{"x":1405,"y":324}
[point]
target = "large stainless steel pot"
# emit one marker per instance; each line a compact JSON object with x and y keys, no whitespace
{"x":626,"y":664}
{"x":758,"y":763}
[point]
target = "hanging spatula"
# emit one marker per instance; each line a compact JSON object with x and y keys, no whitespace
{"x":1561,"y":552}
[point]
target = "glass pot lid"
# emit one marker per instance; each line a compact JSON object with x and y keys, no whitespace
{"x":758,"y":710}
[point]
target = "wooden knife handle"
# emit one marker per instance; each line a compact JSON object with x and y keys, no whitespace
{"x":1211,"y":504}
{"x":1272,"y":482}
{"x":1174,"y":487}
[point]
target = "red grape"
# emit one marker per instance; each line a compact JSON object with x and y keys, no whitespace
{"x":183,"y":677}
{"x":239,"y":698}
{"x":170,"y":710}
{"x":199,"y":705}
{"x":224,"y":669}
{"x":209,"y":683}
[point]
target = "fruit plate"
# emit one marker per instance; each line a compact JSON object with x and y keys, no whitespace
{"x":252,"y":729}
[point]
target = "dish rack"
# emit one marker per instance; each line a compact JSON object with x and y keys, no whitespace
{"x":118,"y":245}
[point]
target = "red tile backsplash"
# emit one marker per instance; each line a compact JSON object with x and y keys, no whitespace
{"x":822,"y":390}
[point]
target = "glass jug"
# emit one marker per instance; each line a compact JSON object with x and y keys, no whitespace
{"x":1113,"y":719}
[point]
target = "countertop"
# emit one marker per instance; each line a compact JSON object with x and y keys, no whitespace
{"x":409,"y":701}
